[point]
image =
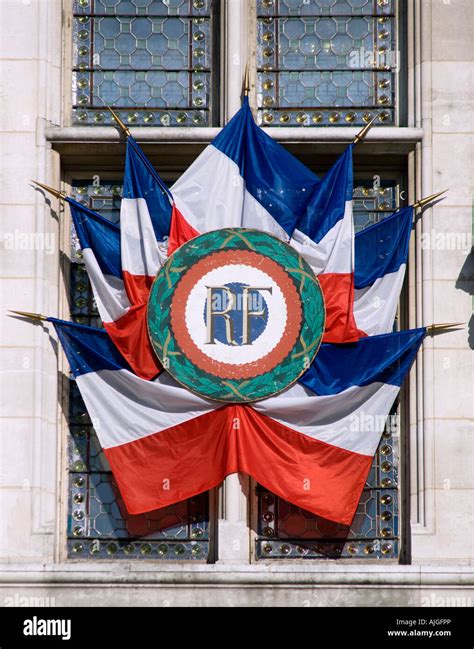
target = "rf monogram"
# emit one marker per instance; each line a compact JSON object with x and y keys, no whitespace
{"x":234,"y":307}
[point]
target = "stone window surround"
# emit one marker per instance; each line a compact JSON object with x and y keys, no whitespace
{"x":237,"y":502}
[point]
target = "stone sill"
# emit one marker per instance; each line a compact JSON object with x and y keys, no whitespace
{"x":173,"y":149}
{"x":66,"y":134}
{"x":284,"y":575}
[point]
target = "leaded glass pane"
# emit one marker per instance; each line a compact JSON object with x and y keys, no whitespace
{"x":152,"y":61}
{"x":285,"y":531}
{"x":99,"y":526}
{"x":326,"y":62}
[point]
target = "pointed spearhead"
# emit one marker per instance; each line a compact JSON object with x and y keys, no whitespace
{"x":246,"y":81}
{"x":28,"y":314}
{"x":443,"y":327}
{"x":55,"y":192}
{"x":363,"y":132}
{"x":125,"y":130}
{"x":428,"y":199}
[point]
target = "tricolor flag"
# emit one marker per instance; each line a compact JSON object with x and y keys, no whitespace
{"x":324,"y":236}
{"x":381,"y":253}
{"x":122,"y":262}
{"x":243,"y":179}
{"x":145,"y":215}
{"x":312,"y":445}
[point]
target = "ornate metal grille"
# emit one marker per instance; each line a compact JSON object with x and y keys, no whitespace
{"x":326,"y":62}
{"x":153,"y":60}
{"x":99,"y":526}
{"x":286,"y":531}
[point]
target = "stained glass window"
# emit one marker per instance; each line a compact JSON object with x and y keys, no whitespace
{"x":99,"y":526}
{"x":153,"y":60}
{"x":286,"y":531}
{"x":326,"y":62}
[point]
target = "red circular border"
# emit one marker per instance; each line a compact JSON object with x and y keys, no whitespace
{"x":227,"y":370}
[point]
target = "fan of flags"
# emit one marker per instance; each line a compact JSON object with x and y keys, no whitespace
{"x":310,"y":444}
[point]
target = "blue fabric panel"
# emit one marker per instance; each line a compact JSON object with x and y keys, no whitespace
{"x":382,"y":248}
{"x":328,"y":201}
{"x":273,"y":176}
{"x":88,"y":349}
{"x":142,"y":181}
{"x":386,"y":358}
{"x":99,"y":234}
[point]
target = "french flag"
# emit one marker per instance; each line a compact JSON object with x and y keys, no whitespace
{"x":122,"y":261}
{"x":242,"y":179}
{"x":312,"y":445}
{"x":324,"y":236}
{"x":381,"y":253}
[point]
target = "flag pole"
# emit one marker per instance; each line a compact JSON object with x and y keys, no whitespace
{"x":428,"y":199}
{"x":443,"y":327}
{"x":55,"y":192}
{"x":28,"y":314}
{"x":125,"y":130}
{"x":246,"y":81}
{"x":363,"y":132}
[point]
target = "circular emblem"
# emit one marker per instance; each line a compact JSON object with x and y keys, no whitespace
{"x":236,"y":315}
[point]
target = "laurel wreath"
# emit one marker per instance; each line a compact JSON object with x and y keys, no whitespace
{"x":235,"y":390}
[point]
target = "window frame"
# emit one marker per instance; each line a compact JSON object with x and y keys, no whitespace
{"x":400,"y":107}
{"x":216,"y":109}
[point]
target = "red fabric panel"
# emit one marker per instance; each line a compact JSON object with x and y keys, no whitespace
{"x":176,"y":463}
{"x":338,"y":291}
{"x":138,"y":287}
{"x":319,"y":477}
{"x":198,"y":454}
{"x":130,"y":335}
{"x":180,"y":231}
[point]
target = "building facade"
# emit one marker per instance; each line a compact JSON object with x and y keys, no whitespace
{"x":319,"y":70}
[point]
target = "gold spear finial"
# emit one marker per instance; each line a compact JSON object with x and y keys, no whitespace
{"x":442,"y":327}
{"x":429,"y":199}
{"x":27,"y":314}
{"x":120,"y":124}
{"x":55,"y":192}
{"x":363,"y":132}
{"x":246,"y":81}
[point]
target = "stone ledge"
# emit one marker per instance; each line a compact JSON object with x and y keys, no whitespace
{"x":63,"y":134}
{"x":294,"y":575}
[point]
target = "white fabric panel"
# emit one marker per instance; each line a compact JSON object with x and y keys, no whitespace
{"x":353,"y":419}
{"x":109,"y":291}
{"x":211,"y":195}
{"x":124,"y":408}
{"x":375,"y":306}
{"x":140,"y":251}
{"x":335,"y":252}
